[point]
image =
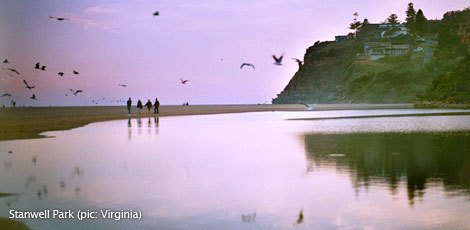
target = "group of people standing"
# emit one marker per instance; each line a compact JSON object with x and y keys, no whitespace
{"x":139,"y":106}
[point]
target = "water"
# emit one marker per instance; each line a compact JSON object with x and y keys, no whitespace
{"x":248,"y":171}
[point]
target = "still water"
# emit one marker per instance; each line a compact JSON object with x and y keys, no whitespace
{"x":248,"y":171}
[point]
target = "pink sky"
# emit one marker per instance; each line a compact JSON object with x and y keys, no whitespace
{"x":120,"y":42}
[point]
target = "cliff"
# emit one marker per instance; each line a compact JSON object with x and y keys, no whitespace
{"x":434,"y":67}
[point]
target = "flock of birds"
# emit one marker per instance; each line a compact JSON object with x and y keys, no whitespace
{"x":38,"y":66}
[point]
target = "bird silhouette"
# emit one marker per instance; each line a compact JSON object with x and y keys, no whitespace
{"x":247,"y":64}
{"x":184,"y":81}
{"x":27,"y":85}
{"x":12,"y":70}
{"x":277,"y":60}
{"x":6,"y":95}
{"x":75,"y":72}
{"x":38,"y":65}
{"x":61,"y":74}
{"x":156,"y":13}
{"x":5,"y":61}
{"x":300,"y":219}
{"x":59,"y":18}
{"x":33,"y":97}
{"x":43,"y":67}
{"x":299,"y":62}
{"x":75,"y":92}
{"x":122,"y":85}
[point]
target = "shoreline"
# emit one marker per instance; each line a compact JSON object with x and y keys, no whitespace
{"x":29,"y":122}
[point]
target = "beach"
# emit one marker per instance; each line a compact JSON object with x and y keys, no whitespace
{"x":30,"y":122}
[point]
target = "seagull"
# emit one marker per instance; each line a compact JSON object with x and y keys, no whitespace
{"x":75,"y":72}
{"x":300,"y":219}
{"x":28,"y":86}
{"x":6,"y":95}
{"x":278,"y":60}
{"x":298,"y":62}
{"x":37,"y":66}
{"x":6,"y":61}
{"x":156,"y":13}
{"x":12,"y":70}
{"x":43,"y":67}
{"x":247,"y":64}
{"x":59,"y":18}
{"x":184,"y":81}
{"x":61,"y":74}
{"x":33,"y":97}
{"x":75,"y":92}
{"x":122,"y":85}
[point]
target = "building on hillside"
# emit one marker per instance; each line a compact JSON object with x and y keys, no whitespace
{"x":381,"y":40}
{"x":341,"y":38}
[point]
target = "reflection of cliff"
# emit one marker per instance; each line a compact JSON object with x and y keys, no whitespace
{"x":415,"y":158}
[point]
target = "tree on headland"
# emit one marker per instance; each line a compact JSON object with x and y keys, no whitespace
{"x":420,"y":25}
{"x":392,"y":19}
{"x":355,"y":25}
{"x":410,"y":16}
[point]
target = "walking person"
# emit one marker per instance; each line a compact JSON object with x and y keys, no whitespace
{"x":139,"y":106}
{"x":155,"y":106}
{"x":129,"y":104}
{"x":148,"y":105}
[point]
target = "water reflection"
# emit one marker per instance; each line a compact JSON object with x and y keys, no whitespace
{"x":151,"y":125}
{"x":420,"y":160}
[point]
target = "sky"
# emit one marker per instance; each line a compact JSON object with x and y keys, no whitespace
{"x":121,"y":42}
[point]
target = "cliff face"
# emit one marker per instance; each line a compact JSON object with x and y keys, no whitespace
{"x":434,"y":68}
{"x":318,"y":80}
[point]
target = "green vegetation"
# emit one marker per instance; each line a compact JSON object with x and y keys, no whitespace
{"x":435,"y":69}
{"x":11,"y":224}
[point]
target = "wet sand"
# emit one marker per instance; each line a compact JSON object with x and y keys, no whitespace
{"x":26,"y":123}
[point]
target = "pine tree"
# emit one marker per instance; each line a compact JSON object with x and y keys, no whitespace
{"x":392,"y":19}
{"x":355,"y":25}
{"x":410,"y":16}
{"x":420,"y":22}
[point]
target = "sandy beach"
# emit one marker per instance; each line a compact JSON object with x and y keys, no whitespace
{"x":25,"y":123}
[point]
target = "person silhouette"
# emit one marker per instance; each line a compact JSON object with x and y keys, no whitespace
{"x":139,"y":106}
{"x":156,"y":105}
{"x":129,"y":104}
{"x":148,"y":105}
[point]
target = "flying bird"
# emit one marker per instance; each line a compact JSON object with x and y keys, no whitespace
{"x":277,"y":60}
{"x":12,"y":70}
{"x":75,"y":92}
{"x":37,"y":66}
{"x":6,"y":95}
{"x":298,"y":62}
{"x":6,"y":61}
{"x":184,"y":81}
{"x":75,"y":72}
{"x":33,"y":97}
{"x":122,"y":85}
{"x":59,"y":18}
{"x":27,"y":85}
{"x":247,"y":64}
{"x":61,"y":74}
{"x":156,"y":13}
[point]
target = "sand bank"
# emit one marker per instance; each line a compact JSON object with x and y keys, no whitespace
{"x":25,"y":123}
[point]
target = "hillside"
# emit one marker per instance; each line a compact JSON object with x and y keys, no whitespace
{"x":386,"y":64}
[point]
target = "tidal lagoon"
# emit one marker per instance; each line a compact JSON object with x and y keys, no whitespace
{"x":262,"y":170}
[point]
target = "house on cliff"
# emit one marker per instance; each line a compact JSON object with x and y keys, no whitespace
{"x":382,"y":40}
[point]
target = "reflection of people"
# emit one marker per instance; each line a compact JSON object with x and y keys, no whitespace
{"x":155,"y":106}
{"x":139,"y":106}
{"x":148,"y":105}
{"x":129,"y":104}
